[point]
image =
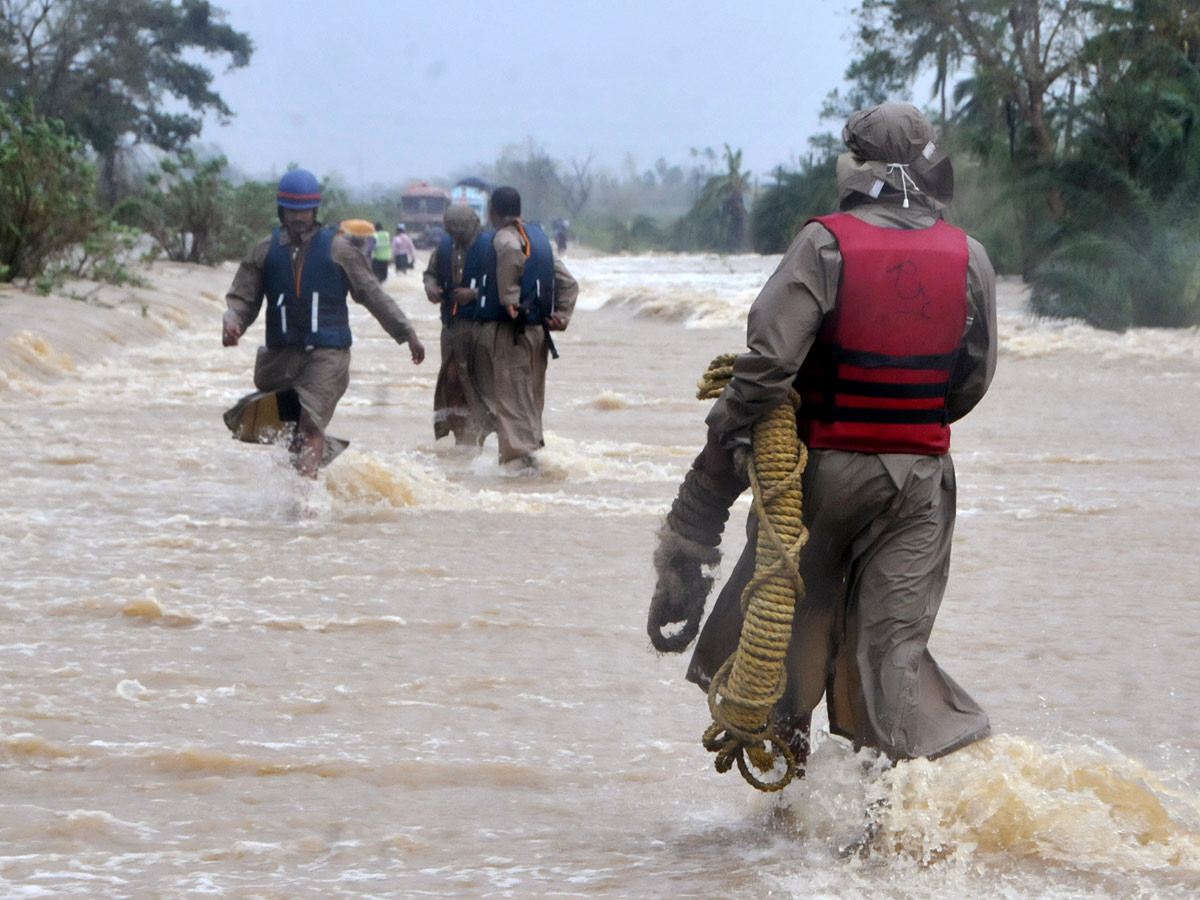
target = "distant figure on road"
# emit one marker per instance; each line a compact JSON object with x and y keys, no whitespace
{"x":404,"y":252}
{"x":361,"y":235}
{"x":381,"y":253}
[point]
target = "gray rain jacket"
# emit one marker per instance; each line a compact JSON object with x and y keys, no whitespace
{"x":877,"y":560}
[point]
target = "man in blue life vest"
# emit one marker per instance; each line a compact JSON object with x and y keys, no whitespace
{"x":883,"y":318}
{"x":458,"y":266}
{"x":305,"y":273}
{"x":526,"y":294}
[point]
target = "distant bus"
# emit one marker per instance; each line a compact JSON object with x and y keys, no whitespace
{"x":421,"y":209}
{"x":474,"y":192}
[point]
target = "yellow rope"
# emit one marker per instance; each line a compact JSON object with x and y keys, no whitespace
{"x":747,"y":686}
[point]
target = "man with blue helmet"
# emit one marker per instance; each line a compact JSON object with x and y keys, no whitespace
{"x":305,"y":272}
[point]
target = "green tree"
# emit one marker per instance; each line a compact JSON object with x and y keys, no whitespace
{"x":1021,"y":61}
{"x":183,"y":207}
{"x":111,"y":69}
{"x":1023,"y":51}
{"x":1081,"y":115}
{"x":1142,"y":73}
{"x":195,"y":214}
{"x":717,"y":220}
{"x":250,"y":214}
{"x":783,"y":208}
{"x":47,"y":191}
{"x":1124,"y":250}
{"x":1125,"y":258}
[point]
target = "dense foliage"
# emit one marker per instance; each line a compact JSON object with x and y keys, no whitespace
{"x":115,"y":70}
{"x":47,"y":191}
{"x":1071,"y":127}
{"x":717,"y":220}
{"x":781,"y":211}
{"x":194,"y":214}
{"x":1071,"y":124}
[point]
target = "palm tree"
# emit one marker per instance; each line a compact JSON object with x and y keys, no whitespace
{"x":733,"y":204}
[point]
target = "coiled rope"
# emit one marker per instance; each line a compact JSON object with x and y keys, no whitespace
{"x":749,"y":683}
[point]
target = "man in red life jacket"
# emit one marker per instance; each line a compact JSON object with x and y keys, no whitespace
{"x":883,"y":317}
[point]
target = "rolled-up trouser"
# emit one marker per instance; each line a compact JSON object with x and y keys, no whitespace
{"x":319,"y":376}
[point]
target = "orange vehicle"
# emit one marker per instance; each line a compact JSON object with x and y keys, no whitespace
{"x":421,"y":208}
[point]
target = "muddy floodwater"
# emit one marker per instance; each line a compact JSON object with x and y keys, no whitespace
{"x":437,"y":683}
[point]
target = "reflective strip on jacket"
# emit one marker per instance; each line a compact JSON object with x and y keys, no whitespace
{"x":479,"y":267}
{"x":305,"y":307}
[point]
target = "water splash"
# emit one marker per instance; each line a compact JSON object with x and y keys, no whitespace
{"x":1084,"y":806}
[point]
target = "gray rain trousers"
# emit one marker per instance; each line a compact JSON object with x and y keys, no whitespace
{"x":875,"y":567}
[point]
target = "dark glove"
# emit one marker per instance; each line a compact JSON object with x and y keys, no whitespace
{"x":688,"y":546}
{"x":725,"y":468}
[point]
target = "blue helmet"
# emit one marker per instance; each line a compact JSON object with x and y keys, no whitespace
{"x":299,"y":189}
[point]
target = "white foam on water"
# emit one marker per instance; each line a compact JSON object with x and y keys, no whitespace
{"x":361,"y":481}
{"x":700,"y":291}
{"x":1007,"y":817}
{"x":324,"y":689}
{"x":1024,"y":337}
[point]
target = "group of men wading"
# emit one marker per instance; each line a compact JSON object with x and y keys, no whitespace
{"x":880,"y":318}
{"x":502,"y":292}
{"x":495,"y":344}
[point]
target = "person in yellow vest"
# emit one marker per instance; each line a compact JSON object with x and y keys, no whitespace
{"x":381,"y":256}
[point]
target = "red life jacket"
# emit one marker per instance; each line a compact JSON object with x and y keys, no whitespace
{"x":877,"y":375}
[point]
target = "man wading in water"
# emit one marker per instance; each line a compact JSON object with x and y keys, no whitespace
{"x":883,"y":318}
{"x":305,"y":272}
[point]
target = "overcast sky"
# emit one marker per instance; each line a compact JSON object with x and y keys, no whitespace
{"x":386,"y":91}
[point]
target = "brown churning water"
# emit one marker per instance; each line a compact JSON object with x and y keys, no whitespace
{"x":440,"y":685}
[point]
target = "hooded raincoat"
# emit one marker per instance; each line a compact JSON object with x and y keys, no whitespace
{"x":459,"y":406}
{"x":877,"y":559}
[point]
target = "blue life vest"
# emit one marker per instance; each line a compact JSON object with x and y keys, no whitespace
{"x":309,"y":311}
{"x":537,"y":283}
{"x":479,"y":266}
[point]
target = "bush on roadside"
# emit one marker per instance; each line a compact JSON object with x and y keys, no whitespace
{"x":47,"y":193}
{"x":182,"y":208}
{"x":107,"y":255}
{"x":195,"y":214}
{"x":642,"y":234}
